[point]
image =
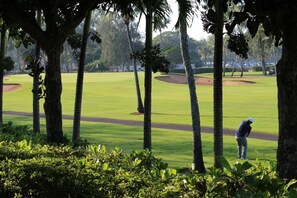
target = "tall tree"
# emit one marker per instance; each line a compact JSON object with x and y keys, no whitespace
{"x":214,"y":22}
{"x":218,"y":86}
{"x":80,"y":79}
{"x":206,"y":49}
{"x":127,"y":20}
{"x":156,"y":11}
{"x":147,"y":136}
{"x":278,"y":19}
{"x":185,"y":10}
{"x":261,"y":47}
{"x":61,"y":18}
{"x":173,"y":52}
{"x":114,"y":40}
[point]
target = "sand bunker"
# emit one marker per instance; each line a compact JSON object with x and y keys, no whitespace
{"x":11,"y":87}
{"x":182,"y":79}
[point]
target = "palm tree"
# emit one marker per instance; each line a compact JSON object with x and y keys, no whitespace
{"x":213,"y":22}
{"x":218,"y":86}
{"x":156,"y":12}
{"x":80,"y":79}
{"x":140,"y":107}
{"x":147,"y":136}
{"x":185,"y":9}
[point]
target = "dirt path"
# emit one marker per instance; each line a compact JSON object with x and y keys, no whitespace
{"x":180,"y":127}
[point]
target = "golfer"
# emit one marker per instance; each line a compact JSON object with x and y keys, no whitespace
{"x":242,"y":133}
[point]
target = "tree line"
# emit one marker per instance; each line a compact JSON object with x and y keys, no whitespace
{"x":112,"y":54}
{"x":275,"y":18}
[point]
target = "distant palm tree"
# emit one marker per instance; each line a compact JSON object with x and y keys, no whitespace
{"x":185,"y":9}
{"x":80,"y":79}
{"x":155,"y":12}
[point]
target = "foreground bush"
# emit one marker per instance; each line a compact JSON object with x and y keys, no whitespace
{"x":30,"y":169}
{"x":14,"y":133}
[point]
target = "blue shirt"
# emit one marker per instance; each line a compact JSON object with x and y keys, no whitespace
{"x":244,"y":129}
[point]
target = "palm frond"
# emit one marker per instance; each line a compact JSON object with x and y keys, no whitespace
{"x":187,"y":11}
{"x":161,"y":10}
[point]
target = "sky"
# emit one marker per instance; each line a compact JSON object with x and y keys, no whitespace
{"x":195,"y":31}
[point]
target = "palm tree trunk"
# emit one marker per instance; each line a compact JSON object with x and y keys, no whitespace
{"x":2,"y":55}
{"x":140,"y":108}
{"x":197,"y":143}
{"x":147,"y":139}
{"x":218,"y":89}
{"x":36,"y":107}
{"x":80,"y":79}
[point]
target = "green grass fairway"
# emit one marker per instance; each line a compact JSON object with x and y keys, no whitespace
{"x":112,"y":95}
{"x":174,"y":147}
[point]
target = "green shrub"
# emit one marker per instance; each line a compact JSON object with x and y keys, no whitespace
{"x":257,"y":68}
{"x":14,"y":133}
{"x":200,"y":70}
{"x":247,"y":180}
{"x":195,"y":71}
{"x":29,"y":169}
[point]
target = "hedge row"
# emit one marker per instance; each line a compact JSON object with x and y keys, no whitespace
{"x":30,"y":169}
{"x":203,"y":70}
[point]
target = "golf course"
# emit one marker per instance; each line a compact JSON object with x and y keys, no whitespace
{"x":113,"y":96}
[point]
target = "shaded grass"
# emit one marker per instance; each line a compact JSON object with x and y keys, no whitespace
{"x":174,"y":147}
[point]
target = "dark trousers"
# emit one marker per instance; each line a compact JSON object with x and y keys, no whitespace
{"x":242,"y":147}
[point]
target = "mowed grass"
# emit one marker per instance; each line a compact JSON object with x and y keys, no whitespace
{"x":174,"y":147}
{"x":113,"y":95}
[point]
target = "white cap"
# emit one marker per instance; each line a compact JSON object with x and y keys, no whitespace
{"x":251,"y":119}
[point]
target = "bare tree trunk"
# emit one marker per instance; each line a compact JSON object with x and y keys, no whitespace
{"x":80,"y":79}
{"x":147,"y":125}
{"x":233,"y":66}
{"x":36,"y":106}
{"x":197,"y":143}
{"x":241,"y":65}
{"x":2,"y":55}
{"x":287,"y":111}
{"x":241,"y":73}
{"x":205,"y":58}
{"x":52,"y":105}
{"x":224,"y":59}
{"x":140,"y":108}
{"x":218,"y":90}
